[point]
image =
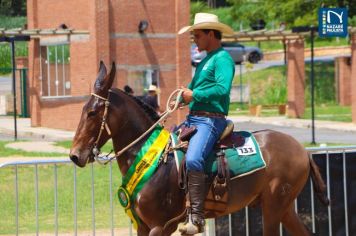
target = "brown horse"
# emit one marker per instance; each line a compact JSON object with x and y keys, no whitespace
{"x":274,"y":188}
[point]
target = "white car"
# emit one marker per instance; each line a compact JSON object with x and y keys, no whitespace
{"x":237,"y":51}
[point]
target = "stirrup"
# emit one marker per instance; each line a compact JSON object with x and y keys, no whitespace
{"x":188,"y":228}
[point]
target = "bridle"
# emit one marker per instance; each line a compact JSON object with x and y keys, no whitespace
{"x":96,"y":151}
{"x":104,"y":125}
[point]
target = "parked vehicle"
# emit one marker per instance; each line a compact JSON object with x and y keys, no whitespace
{"x":238,"y":52}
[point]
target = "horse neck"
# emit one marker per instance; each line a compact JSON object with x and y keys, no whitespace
{"x":136,"y":122}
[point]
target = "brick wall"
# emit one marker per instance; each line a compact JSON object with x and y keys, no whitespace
{"x":113,"y":27}
{"x":343,"y":80}
{"x":296,"y":78}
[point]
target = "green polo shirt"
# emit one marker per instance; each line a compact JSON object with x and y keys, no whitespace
{"x":211,"y":83}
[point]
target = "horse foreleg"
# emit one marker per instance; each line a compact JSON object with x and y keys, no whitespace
{"x":143,"y":230}
{"x":293,"y":224}
{"x":156,"y":231}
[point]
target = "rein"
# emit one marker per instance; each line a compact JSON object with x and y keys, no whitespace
{"x":104,"y":125}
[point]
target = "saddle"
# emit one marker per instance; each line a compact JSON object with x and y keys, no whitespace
{"x":217,"y":185}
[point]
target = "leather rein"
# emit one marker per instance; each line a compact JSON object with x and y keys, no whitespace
{"x":106,"y":159}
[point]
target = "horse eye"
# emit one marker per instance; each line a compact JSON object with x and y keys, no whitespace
{"x":91,"y":113}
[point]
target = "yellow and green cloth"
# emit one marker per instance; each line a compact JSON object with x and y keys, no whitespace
{"x":141,"y":170}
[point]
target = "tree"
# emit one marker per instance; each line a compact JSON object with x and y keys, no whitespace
{"x":13,"y":7}
{"x":212,"y":3}
{"x":17,"y":7}
{"x":291,"y":12}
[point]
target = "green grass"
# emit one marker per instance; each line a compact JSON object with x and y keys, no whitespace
{"x":65,"y":196}
{"x":68,"y":143}
{"x":324,"y":144}
{"x":10,"y":22}
{"x":5,"y":52}
{"x":9,"y":152}
{"x":269,"y":86}
{"x":330,"y":112}
{"x":237,"y":108}
{"x":5,"y":49}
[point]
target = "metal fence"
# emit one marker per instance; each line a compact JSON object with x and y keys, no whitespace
{"x":320,"y":220}
{"x":338,"y":169}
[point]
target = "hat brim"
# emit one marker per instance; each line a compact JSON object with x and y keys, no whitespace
{"x":225,"y":29}
{"x":158,"y":91}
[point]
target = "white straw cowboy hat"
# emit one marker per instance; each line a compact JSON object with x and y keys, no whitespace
{"x":207,"y":21}
{"x":153,"y":88}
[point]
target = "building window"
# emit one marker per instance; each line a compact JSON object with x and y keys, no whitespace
{"x":54,"y":70}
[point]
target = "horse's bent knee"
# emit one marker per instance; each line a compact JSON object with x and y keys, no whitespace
{"x":156,"y":231}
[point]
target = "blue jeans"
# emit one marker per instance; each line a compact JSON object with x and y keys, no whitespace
{"x":203,"y":141}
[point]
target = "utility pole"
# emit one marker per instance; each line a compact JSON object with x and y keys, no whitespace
{"x":312,"y":89}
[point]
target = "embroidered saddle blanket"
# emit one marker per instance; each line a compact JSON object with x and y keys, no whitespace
{"x":243,"y":157}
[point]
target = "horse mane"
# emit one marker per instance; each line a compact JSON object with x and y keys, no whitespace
{"x":147,"y":108}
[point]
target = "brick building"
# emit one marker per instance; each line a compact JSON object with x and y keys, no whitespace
{"x":62,"y":69}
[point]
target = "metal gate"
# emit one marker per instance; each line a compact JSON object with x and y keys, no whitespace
{"x":21,"y":90}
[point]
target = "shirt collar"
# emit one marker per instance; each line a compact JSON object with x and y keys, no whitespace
{"x":214,"y":51}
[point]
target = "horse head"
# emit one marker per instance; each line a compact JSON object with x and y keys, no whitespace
{"x":110,"y":113}
{"x":86,"y":136}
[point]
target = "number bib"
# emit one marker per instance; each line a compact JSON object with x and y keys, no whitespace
{"x":248,"y":148}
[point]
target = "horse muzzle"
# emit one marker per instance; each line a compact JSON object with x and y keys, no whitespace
{"x":80,"y":159}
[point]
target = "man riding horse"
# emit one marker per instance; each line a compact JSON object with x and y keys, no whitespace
{"x":149,"y":183}
{"x":208,"y":96}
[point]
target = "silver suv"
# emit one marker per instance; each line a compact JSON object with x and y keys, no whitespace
{"x":237,"y":51}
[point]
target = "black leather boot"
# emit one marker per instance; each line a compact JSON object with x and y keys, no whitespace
{"x":196,"y":189}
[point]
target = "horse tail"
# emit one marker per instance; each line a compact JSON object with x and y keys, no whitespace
{"x":318,"y":182}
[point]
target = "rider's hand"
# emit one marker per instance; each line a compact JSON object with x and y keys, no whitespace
{"x":187,"y":95}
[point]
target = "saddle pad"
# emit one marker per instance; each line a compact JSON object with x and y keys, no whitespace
{"x":242,"y":160}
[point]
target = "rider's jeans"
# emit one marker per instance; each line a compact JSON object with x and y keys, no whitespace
{"x":203,"y":141}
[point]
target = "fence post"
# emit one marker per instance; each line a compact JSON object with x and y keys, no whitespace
{"x":23,"y":77}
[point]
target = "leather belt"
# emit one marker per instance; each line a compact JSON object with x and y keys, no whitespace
{"x":207,"y":114}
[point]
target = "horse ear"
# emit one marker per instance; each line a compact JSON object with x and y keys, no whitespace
{"x":100,"y":79}
{"x":112,"y":74}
